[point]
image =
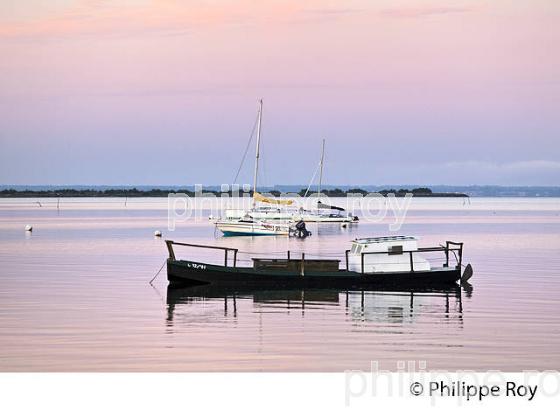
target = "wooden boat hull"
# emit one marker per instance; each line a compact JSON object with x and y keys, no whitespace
{"x":186,"y":273}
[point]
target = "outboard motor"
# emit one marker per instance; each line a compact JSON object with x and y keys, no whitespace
{"x":300,"y":230}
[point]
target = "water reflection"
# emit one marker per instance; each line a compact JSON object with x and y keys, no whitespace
{"x":333,"y":228}
{"x":389,"y":307}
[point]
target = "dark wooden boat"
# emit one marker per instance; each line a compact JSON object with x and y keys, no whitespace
{"x":313,"y":273}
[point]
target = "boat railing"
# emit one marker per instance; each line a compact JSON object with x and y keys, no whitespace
{"x":193,"y":245}
{"x":453,"y":248}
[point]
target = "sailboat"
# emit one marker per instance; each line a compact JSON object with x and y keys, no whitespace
{"x":252,"y":223}
{"x":325,"y":212}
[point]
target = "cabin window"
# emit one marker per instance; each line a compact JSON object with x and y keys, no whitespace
{"x":395,"y":250}
{"x":354,"y":246}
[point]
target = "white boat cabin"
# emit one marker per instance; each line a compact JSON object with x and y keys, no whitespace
{"x":386,"y":254}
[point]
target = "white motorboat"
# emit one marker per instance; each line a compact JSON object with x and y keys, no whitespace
{"x":252,"y":227}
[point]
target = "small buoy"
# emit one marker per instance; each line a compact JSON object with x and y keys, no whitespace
{"x":157,"y":233}
{"x":210,"y":216}
{"x":28,"y":228}
{"x":343,"y":225}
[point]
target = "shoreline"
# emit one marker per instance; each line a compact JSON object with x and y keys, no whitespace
{"x":162,"y":193}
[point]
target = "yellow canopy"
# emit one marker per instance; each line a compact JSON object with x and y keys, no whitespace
{"x":262,"y":198}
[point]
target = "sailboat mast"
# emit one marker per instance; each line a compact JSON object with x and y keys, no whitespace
{"x":257,"y":152}
{"x":321,"y":169}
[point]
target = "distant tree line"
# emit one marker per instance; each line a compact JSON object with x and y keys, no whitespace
{"x":425,"y":192}
{"x":134,"y":192}
{"x":78,"y":193}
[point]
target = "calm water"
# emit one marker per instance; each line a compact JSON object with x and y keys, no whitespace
{"x":74,"y":295}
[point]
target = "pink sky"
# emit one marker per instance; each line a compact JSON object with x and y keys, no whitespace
{"x":164,"y":92}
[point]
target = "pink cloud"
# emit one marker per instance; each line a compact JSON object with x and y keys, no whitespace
{"x":418,"y":12}
{"x":94,"y":17}
{"x":97,"y":17}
